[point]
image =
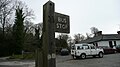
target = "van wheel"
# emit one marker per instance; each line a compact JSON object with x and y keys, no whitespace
{"x":100,"y":55}
{"x":83,"y":56}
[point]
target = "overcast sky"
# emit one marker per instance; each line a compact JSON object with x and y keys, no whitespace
{"x":84,"y":14}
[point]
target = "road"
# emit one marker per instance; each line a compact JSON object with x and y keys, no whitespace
{"x":111,"y":60}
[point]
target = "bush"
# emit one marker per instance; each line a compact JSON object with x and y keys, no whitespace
{"x":24,"y":56}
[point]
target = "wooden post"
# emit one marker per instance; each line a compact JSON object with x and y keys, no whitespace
{"x":52,"y":22}
{"x":39,"y":58}
{"x":48,"y":35}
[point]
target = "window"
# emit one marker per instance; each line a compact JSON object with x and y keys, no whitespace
{"x":86,"y":47}
{"x":79,"y":47}
{"x":110,"y":44}
{"x":114,"y":43}
{"x":92,"y":47}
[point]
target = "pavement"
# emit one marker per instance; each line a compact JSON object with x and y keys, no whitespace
{"x":4,"y":62}
{"x":17,"y":64}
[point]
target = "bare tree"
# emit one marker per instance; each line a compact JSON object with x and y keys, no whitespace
{"x":89,"y":35}
{"x":3,"y":3}
{"x":94,"y":30}
{"x":63,"y":36}
{"x":6,"y":10}
{"x":79,"y":37}
{"x":29,"y":27}
{"x":28,"y":13}
{"x":39,"y":26}
{"x":69,"y":41}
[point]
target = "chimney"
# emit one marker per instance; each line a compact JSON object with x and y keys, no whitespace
{"x":98,"y":33}
{"x":118,"y":32}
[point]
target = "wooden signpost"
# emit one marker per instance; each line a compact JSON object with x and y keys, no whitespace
{"x":52,"y":22}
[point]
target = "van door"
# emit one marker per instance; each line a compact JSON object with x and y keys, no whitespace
{"x":87,"y":49}
{"x":93,"y":50}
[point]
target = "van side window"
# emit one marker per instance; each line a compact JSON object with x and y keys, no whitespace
{"x":92,"y":47}
{"x":86,"y":47}
{"x":79,"y":47}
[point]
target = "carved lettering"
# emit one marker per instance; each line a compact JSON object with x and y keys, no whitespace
{"x":61,"y":26}
{"x":62,"y":20}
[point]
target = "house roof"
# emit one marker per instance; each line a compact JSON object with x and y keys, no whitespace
{"x":102,"y":37}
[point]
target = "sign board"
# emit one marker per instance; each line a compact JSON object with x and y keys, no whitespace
{"x":62,"y":23}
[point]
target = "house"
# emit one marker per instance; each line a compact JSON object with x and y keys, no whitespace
{"x":100,"y":39}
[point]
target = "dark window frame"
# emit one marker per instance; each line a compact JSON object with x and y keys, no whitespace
{"x":110,"y":44}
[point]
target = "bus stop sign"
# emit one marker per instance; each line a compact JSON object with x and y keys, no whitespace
{"x":62,"y":23}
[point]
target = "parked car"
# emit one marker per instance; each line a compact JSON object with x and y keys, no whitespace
{"x":83,"y":50}
{"x":118,"y":48}
{"x":108,"y":50}
{"x":64,"y":51}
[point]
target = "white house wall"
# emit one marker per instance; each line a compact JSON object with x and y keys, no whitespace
{"x":106,"y":43}
{"x":118,"y":42}
{"x":103,"y":43}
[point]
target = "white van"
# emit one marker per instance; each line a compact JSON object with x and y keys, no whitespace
{"x":83,"y":50}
